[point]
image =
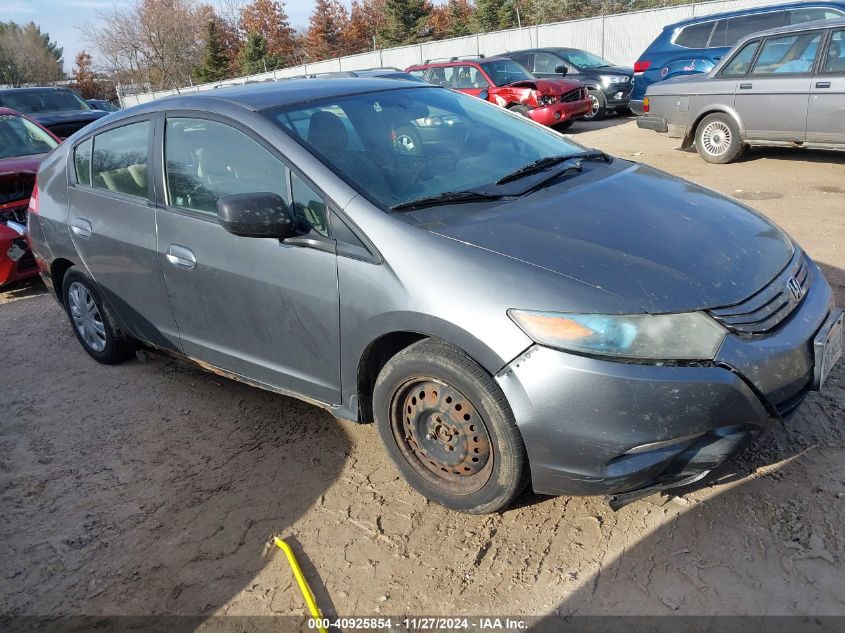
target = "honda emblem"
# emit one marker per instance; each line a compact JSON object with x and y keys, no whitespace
{"x":794,"y":287}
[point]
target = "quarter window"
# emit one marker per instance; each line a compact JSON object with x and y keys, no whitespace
{"x":695,"y":36}
{"x":799,"y":16}
{"x":790,"y":54}
{"x":835,"y":59}
{"x":309,"y":206}
{"x":120,"y":159}
{"x":82,"y":162}
{"x":205,"y":160}
{"x":738,"y":66}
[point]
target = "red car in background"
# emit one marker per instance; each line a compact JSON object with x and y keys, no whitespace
{"x":23,"y":144}
{"x":499,"y":80}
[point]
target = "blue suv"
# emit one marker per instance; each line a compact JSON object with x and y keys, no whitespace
{"x":697,"y":44}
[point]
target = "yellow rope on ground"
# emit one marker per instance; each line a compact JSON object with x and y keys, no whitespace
{"x":300,"y":580}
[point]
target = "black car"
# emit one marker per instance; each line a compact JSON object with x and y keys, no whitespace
{"x":60,"y":110}
{"x":609,"y":85}
{"x":102,"y":104}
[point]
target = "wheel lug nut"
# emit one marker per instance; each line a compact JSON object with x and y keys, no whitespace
{"x":431,"y":436}
{"x":450,"y":447}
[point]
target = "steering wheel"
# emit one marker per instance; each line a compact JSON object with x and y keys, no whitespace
{"x":441,"y":154}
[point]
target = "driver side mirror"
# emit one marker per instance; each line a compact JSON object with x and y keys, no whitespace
{"x":260,"y":214}
{"x":561,"y":70}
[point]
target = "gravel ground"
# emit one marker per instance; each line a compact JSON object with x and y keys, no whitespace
{"x":154,"y":488}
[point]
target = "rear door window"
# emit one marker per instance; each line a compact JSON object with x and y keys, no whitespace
{"x":119,"y":161}
{"x":790,"y":54}
{"x":546,"y":63}
{"x":834,"y":60}
{"x":740,"y":26}
{"x":82,"y":162}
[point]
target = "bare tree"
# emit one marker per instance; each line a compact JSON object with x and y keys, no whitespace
{"x":153,"y":42}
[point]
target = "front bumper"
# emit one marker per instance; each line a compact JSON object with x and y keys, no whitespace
{"x":595,"y":426}
{"x":16,"y":260}
{"x":617,"y":95}
{"x":652,"y":122}
{"x":560,"y":112}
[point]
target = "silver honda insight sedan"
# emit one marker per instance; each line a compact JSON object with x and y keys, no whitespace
{"x":480,"y":294}
{"x":784,"y":87}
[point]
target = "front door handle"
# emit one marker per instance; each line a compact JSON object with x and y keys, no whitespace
{"x":822,"y":84}
{"x":745,"y":86}
{"x":81,"y":227}
{"x":181,"y":256}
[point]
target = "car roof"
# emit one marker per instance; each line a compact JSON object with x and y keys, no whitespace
{"x":35,"y":89}
{"x":748,"y":11}
{"x":804,"y":26}
{"x":549,"y":49}
{"x":462,"y":61}
{"x":6,"y":111}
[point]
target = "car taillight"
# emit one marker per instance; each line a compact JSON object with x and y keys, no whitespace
{"x":33,"y":200}
{"x":645,"y":105}
{"x":641,"y":66}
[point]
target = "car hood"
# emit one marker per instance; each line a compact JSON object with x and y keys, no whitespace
{"x":608,"y":70}
{"x":17,"y":177}
{"x":658,"y":242}
{"x":54,"y":118}
{"x":547,"y":86}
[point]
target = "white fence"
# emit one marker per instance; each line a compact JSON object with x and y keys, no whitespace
{"x":619,"y":38}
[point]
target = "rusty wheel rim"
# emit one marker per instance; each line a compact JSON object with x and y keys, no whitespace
{"x":441,"y":435}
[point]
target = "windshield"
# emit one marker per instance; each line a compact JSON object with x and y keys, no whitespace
{"x":19,"y":137}
{"x":506,"y":71}
{"x":402,"y":145}
{"x":582,"y":60}
{"x":42,"y":101}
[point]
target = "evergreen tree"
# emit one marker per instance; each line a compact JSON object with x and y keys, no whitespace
{"x":253,"y":58}
{"x":488,"y":15}
{"x":215,"y":64}
{"x":405,"y":21}
{"x":324,"y":38}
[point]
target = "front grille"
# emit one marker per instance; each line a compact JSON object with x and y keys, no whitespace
{"x":572,"y":95}
{"x":773,"y":304}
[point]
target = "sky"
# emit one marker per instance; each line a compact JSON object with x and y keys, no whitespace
{"x":62,"y":18}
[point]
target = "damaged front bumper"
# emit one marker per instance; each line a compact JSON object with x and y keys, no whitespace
{"x":602,"y":427}
{"x":16,"y":259}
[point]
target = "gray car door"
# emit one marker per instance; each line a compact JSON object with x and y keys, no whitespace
{"x":772,"y":98}
{"x":826,"y":110}
{"x":258,"y":307}
{"x":113,"y":227}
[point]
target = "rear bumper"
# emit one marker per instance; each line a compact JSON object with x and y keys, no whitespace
{"x":652,"y":122}
{"x":594,"y":426}
{"x":560,"y":112}
{"x":636,"y":106}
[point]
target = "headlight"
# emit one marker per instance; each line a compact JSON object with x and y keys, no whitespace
{"x":687,"y":336}
{"x":606,"y":80}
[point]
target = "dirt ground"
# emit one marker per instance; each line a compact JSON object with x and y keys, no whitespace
{"x":154,"y":488}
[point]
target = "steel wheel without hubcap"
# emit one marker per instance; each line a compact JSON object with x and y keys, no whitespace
{"x":716,"y":138}
{"x":441,"y":435}
{"x":86,"y":317}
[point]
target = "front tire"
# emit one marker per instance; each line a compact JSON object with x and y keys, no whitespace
{"x":599,"y":110}
{"x":94,"y":327}
{"x":449,"y":430}
{"x":718,"y":140}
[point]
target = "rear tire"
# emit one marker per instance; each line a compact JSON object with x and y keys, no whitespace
{"x":91,"y":321}
{"x":448,"y":428}
{"x":718,"y":140}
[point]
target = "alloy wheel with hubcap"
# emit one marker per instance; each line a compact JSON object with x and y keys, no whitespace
{"x":717,"y":139}
{"x":86,"y":317}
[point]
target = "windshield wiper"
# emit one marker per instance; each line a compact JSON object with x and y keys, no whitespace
{"x":550,"y":161}
{"x":448,"y":197}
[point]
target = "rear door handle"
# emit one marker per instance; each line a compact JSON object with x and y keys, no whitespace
{"x":181,"y":256}
{"x":822,"y":84}
{"x":745,"y":86}
{"x":81,"y":227}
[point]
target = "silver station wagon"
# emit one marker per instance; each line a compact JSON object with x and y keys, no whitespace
{"x":782,"y":87}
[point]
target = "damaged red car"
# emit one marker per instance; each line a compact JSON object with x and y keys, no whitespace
{"x":552,"y":102}
{"x":23,"y":143}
